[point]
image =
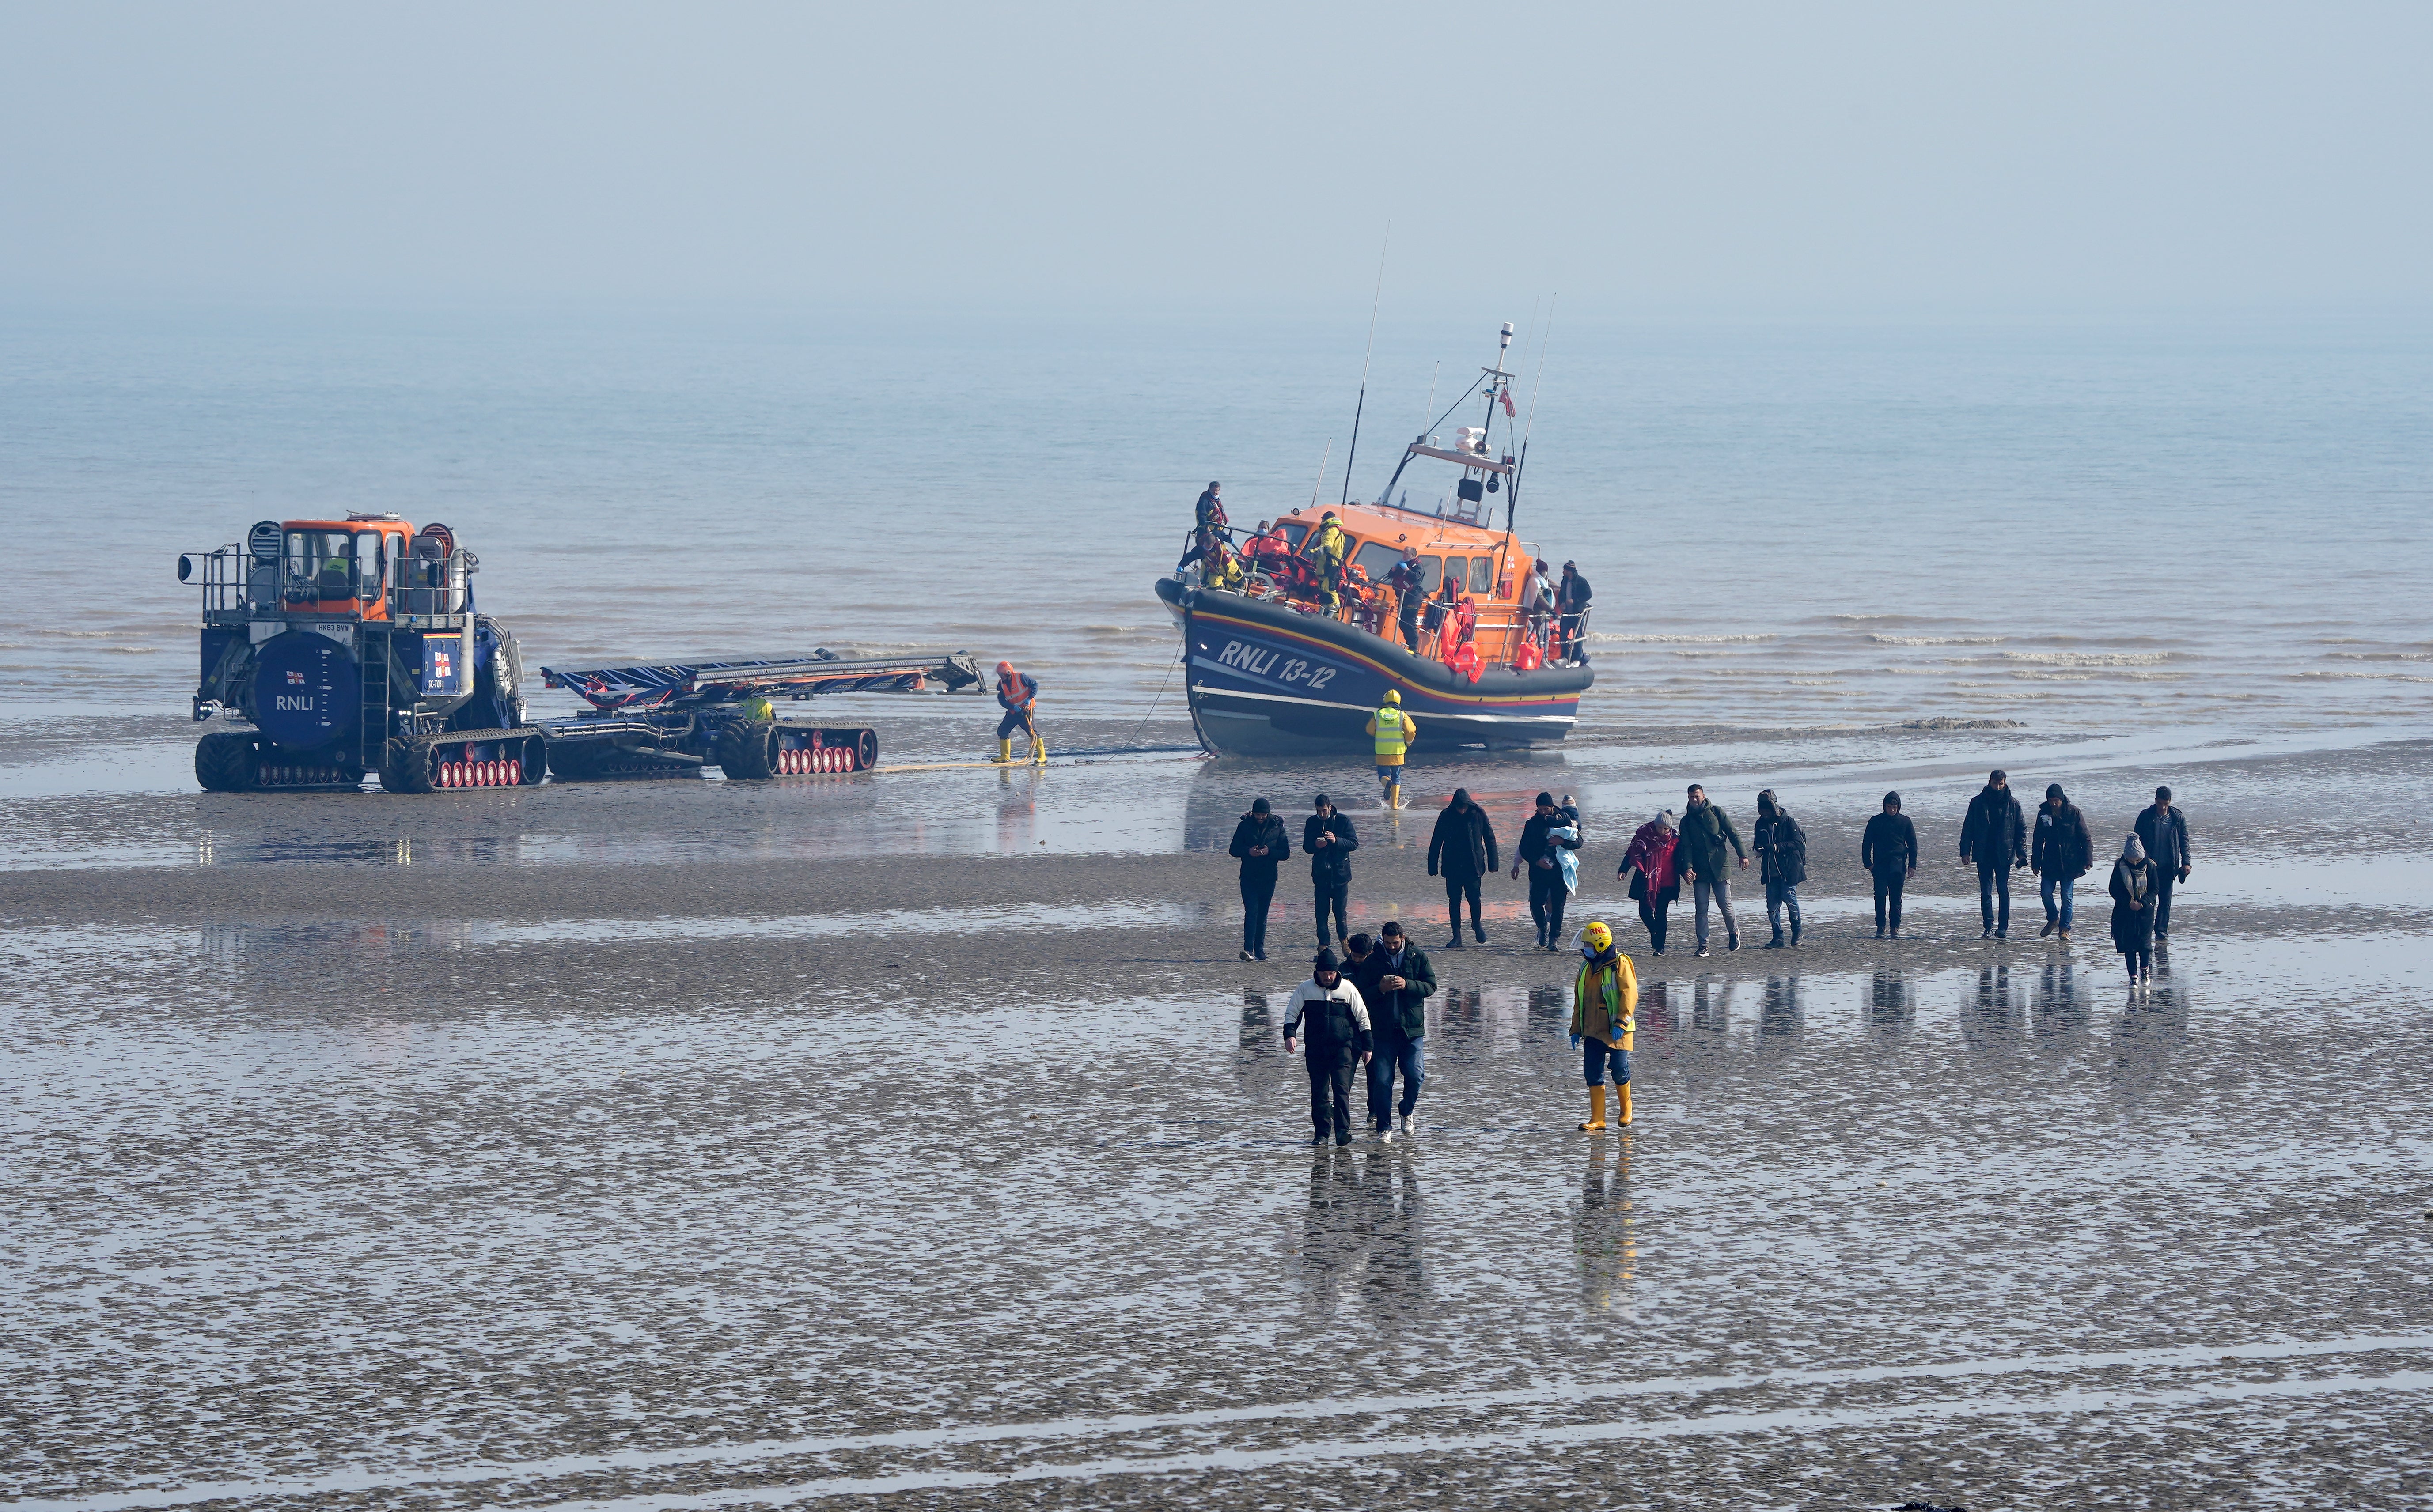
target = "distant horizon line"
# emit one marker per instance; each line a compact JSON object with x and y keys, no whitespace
{"x":1577,"y":311}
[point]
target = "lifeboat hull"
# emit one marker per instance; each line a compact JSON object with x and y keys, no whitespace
{"x":1267,"y":680}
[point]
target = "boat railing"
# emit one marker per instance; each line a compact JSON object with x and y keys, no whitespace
{"x":1497,"y":630}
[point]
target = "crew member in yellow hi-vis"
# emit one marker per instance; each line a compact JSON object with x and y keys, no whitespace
{"x":1605,"y":1011}
{"x":1394,"y":731}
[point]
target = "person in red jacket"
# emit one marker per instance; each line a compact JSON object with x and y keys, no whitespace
{"x":1656,"y":882}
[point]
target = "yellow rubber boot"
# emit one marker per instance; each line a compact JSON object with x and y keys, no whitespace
{"x":1621,"y":1095}
{"x":1597,"y":1111}
{"x":1005,"y":750}
{"x":1394,"y":794}
{"x":1039,"y":751}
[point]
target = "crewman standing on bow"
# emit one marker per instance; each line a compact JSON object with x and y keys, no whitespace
{"x":1018,"y":693}
{"x":1393,"y":731}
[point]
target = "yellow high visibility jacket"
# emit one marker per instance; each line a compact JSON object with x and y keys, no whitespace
{"x":1605,"y":1001}
{"x":1394,"y":731}
{"x":1333,"y":545}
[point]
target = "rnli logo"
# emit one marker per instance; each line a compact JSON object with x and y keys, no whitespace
{"x":439,"y":667}
{"x":296,"y":679}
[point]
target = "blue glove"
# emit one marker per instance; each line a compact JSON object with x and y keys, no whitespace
{"x":1575,"y":1042}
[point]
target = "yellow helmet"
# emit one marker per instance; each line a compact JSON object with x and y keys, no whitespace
{"x":1596,"y":936}
{"x":1392,"y":697}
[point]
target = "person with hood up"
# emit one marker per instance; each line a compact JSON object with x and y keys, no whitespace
{"x":1995,"y":835}
{"x":1888,"y":852}
{"x":1208,"y":527}
{"x":1540,"y":852}
{"x":1462,"y":849}
{"x":1654,"y":882}
{"x":2164,"y":831}
{"x":1781,"y":849}
{"x":1395,"y":980}
{"x":1326,"y":548}
{"x":2134,"y":878}
{"x":1261,"y":845}
{"x":2062,"y":851}
{"x":1605,"y":1007}
{"x":1705,"y":828}
{"x":1328,"y":839}
{"x":1332,"y":1020}
{"x":1018,"y":693}
{"x":1572,"y":604}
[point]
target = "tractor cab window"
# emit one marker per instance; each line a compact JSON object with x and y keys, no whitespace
{"x":326,"y":561}
{"x":322,"y":558}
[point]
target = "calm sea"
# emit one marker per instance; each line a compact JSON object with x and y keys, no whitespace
{"x":1788,"y":527}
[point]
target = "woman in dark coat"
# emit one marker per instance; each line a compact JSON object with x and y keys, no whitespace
{"x":1261,"y":845}
{"x":2132,"y":910}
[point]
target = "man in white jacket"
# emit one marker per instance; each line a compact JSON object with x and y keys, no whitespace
{"x":1332,"y":1022}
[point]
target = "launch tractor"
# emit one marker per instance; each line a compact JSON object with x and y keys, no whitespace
{"x":352,"y":646}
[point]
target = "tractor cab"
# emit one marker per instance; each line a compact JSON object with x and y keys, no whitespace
{"x":342,"y":567}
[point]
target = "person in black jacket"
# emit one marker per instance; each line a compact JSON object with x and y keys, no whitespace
{"x":2062,"y":852}
{"x":1329,"y":839}
{"x":1395,"y":980}
{"x":1536,"y":853}
{"x":1327,"y":1014}
{"x":1463,"y":850}
{"x":1781,"y":849}
{"x":1888,"y":852}
{"x":1571,"y":605}
{"x":1409,"y":581}
{"x":1995,"y":835}
{"x":2164,"y":831}
{"x":1261,"y":845}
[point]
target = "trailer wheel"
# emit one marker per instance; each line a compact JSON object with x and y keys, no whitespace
{"x":224,"y":763}
{"x":409,"y":764}
{"x":748,"y":749}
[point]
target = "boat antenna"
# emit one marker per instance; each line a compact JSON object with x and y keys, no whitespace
{"x":1512,"y":495}
{"x":1353,"y":450}
{"x":1319,"y":482}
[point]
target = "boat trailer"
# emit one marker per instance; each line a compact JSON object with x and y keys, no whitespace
{"x":672,"y":719}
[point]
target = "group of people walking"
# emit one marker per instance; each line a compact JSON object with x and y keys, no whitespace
{"x":1366,"y":1007}
{"x":1367,"y":1011}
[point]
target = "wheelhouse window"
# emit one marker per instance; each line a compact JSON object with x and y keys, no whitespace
{"x":1377,"y":559}
{"x":1482,"y":575}
{"x":1295,"y":532}
{"x":1431,"y":572}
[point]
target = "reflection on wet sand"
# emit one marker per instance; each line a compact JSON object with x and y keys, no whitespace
{"x":1891,"y":1003}
{"x":1779,"y":1013}
{"x":1604,"y":1227}
{"x":1363,"y":1233}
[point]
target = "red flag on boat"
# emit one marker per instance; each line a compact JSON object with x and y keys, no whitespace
{"x":1508,"y":413}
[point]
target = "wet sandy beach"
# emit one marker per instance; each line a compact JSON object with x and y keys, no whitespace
{"x":918,"y":1141}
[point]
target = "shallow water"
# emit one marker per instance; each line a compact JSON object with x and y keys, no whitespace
{"x":2077,"y":529}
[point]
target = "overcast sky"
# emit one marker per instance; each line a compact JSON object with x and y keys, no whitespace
{"x":1643,"y":160}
